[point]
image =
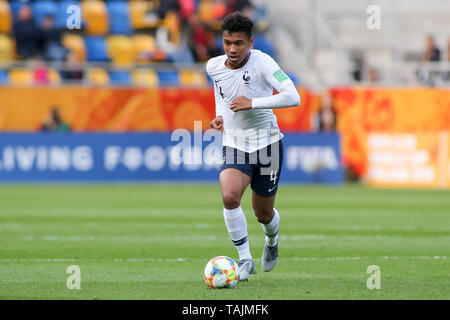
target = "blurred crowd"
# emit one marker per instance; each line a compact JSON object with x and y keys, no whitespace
{"x":426,"y":74}
{"x":187,"y":33}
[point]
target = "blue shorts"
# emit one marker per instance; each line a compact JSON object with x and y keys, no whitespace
{"x":262,"y":166}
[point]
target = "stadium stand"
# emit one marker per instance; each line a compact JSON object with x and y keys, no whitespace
{"x":120,"y":32}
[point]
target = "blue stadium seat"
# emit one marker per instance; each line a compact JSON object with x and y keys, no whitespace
{"x":119,"y":17}
{"x":168,"y":78}
{"x":263,"y":44}
{"x":62,"y":16}
{"x":293,"y":77}
{"x":42,"y":9}
{"x":4,"y":77}
{"x":96,"y":48}
{"x":119,"y":77}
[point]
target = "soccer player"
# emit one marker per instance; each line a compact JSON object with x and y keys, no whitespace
{"x":244,"y":80}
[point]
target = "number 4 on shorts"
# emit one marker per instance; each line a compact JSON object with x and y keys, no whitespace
{"x":273,"y":176}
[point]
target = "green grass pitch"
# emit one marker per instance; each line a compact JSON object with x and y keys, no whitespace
{"x":153,"y":241}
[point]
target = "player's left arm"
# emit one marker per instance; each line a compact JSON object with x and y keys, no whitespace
{"x":287,"y":97}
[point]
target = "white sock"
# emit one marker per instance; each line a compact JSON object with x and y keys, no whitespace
{"x":237,"y":229}
{"x":271,"y":229}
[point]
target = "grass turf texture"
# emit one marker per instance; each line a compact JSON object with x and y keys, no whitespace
{"x":153,"y":241}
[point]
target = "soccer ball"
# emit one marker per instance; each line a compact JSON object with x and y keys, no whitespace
{"x":221,"y":272}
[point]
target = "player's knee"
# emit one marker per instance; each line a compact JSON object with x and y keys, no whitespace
{"x":231,"y":200}
{"x":263,"y":216}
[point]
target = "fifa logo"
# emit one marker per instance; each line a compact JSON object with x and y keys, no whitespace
{"x":246,"y":78}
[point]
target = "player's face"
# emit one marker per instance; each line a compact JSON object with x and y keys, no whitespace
{"x":237,"y":46}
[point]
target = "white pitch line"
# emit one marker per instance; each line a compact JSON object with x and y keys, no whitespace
{"x":160,"y":239}
{"x":181,"y":259}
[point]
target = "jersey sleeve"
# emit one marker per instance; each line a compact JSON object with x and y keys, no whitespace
{"x":288,"y":95}
{"x":217,"y":97}
{"x":273,"y":73}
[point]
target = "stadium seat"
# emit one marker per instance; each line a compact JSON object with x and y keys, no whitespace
{"x":143,"y":44}
{"x":96,"y":48}
{"x":5,"y":17}
{"x":95,"y":16}
{"x":4,"y":77}
{"x":191,"y":78}
{"x":120,"y":49}
{"x":145,"y":77}
{"x":98,"y":76}
{"x":44,"y":8}
{"x":76,"y":44}
{"x":63,"y":15}
{"x":119,"y":77}
{"x":206,"y":12}
{"x":119,"y":17}
{"x":21,"y":77}
{"x":168,"y":78}
{"x":138,"y":14}
{"x":293,"y":77}
{"x":6,"y":48}
{"x":263,"y":44}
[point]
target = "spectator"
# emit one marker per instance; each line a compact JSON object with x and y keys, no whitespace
{"x":239,"y":5}
{"x":41,"y":74}
{"x":244,"y":6}
{"x":27,"y":34}
{"x":167,"y":6}
{"x":51,"y":38}
{"x":72,"y":71}
{"x":372,"y":75}
{"x":53,"y":122}
{"x":432,"y":52}
{"x":202,"y":41}
{"x":325,"y":120}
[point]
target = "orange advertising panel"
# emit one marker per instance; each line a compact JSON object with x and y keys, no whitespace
{"x":411,"y":159}
{"x":126,"y":109}
{"x":361,"y":111}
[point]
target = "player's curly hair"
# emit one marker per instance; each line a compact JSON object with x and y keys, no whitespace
{"x":237,"y":22}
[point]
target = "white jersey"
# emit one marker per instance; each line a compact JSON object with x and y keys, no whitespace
{"x":253,"y":129}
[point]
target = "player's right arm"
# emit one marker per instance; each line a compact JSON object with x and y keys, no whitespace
{"x":217,"y":122}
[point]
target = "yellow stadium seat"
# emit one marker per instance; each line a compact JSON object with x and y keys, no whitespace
{"x":120,"y":49}
{"x":206,"y":12}
{"x":138,"y":14}
{"x":145,"y":77}
{"x":6,"y":48}
{"x":98,"y":76}
{"x":5,"y":17}
{"x":75,"y":43}
{"x":96,"y":16}
{"x":192,"y":78}
{"x":143,"y":44}
{"x":21,"y":77}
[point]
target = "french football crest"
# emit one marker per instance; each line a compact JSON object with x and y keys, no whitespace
{"x":246,"y":78}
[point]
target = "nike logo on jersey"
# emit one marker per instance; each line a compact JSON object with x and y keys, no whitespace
{"x":271,"y":189}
